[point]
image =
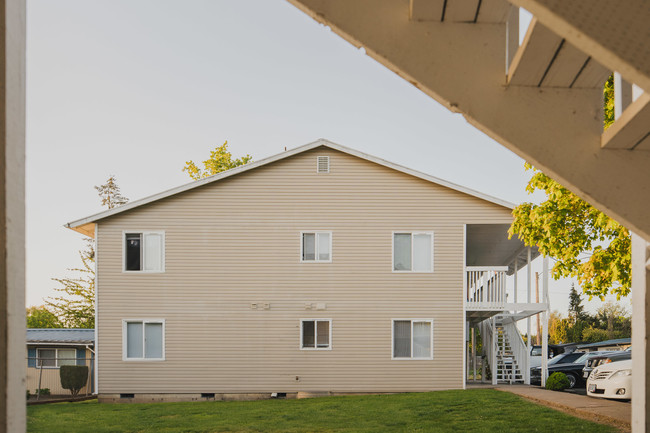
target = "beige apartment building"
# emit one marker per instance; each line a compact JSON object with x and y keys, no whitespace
{"x":318,"y":270}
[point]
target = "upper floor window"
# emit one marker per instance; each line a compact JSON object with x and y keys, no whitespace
{"x":413,"y":252}
{"x":143,"y":340}
{"x":316,"y":247}
{"x":144,"y":251}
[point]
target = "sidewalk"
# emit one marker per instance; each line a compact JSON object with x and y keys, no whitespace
{"x":617,"y":413}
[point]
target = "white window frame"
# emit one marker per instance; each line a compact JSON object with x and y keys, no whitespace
{"x":412,"y":233}
{"x":125,"y":340}
{"x":392,"y":340}
{"x":56,"y":356}
{"x":315,"y":233}
{"x":143,"y":233}
{"x":315,"y":320}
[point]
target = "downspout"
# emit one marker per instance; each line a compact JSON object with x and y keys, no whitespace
{"x":92,"y":366}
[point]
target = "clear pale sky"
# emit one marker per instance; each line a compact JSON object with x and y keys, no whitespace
{"x":135,"y":88}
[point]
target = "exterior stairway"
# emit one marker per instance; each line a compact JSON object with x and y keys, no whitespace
{"x":507,"y":369}
{"x":505,"y":350}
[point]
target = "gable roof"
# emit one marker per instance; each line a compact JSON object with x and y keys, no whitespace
{"x":60,"y":336}
{"x":86,"y":225}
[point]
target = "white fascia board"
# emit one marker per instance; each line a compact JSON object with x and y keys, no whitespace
{"x":286,"y":154}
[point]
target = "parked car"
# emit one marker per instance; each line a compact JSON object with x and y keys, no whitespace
{"x":565,"y":363}
{"x":553,"y":350}
{"x":611,"y":380}
{"x":605,"y":359}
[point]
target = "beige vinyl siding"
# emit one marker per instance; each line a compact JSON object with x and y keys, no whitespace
{"x":237,"y":241}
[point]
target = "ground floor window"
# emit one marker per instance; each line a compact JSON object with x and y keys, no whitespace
{"x":316,"y":334}
{"x":54,"y":358}
{"x":413,"y":339}
{"x":143,"y":340}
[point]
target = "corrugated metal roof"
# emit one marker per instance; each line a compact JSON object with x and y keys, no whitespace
{"x":60,"y":335}
{"x":607,"y":343}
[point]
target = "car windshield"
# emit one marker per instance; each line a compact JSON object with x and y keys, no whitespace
{"x":536,"y":351}
{"x":583,"y":359}
{"x":566,"y":358}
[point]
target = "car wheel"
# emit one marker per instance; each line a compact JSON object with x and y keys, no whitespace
{"x":572,"y":380}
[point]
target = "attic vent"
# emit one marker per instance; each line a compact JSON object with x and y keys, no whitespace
{"x":323,"y":164}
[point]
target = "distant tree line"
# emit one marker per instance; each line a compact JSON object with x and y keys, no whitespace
{"x":609,"y":322}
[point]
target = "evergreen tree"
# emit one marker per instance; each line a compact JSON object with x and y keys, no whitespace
{"x":110,"y":194}
{"x":576,"y":309}
{"x":75,"y":308}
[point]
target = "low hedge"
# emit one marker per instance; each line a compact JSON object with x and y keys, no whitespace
{"x":557,"y":382}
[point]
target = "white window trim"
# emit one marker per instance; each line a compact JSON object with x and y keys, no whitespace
{"x":412,"y":232}
{"x":316,"y":333}
{"x":56,"y":356}
{"x":392,"y":340}
{"x":124,"y":339}
{"x":143,"y":232}
{"x":315,"y":232}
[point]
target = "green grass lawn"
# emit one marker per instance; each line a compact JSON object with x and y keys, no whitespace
{"x":479,"y":410}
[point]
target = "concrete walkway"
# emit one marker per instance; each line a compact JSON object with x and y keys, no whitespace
{"x":616,"y":413}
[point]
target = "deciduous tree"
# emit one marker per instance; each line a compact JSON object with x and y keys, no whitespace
{"x":75,"y":308}
{"x":41,"y":317}
{"x":220,"y":160}
{"x":585,"y":243}
{"x":557,"y":328}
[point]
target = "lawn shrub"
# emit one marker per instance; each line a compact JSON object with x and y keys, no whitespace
{"x":557,"y":382}
{"x":43,"y":391}
{"x":73,"y":377}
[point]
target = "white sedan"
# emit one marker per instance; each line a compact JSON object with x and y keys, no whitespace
{"x":613,"y":380}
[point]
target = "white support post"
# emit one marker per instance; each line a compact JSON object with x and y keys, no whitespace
{"x":495,"y":346}
{"x":466,"y":344}
{"x":12,"y":217}
{"x":545,"y":322}
{"x":474,"y":353}
{"x":640,"y":332}
{"x":529,"y":283}
{"x":516,"y":275}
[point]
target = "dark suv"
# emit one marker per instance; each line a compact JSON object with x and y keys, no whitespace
{"x":605,"y":359}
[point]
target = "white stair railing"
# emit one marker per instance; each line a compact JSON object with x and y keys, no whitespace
{"x":517,"y":346}
{"x":489,"y":347}
{"x":504,"y":350}
{"x":486,"y":287}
